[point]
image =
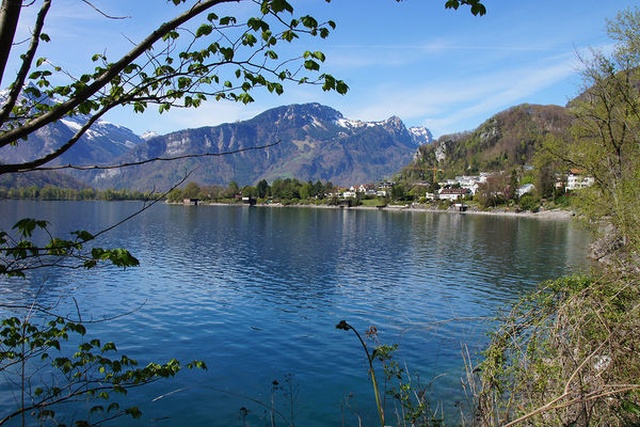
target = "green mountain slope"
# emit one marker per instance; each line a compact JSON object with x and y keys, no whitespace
{"x":508,"y":139}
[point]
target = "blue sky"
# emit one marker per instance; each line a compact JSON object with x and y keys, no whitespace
{"x":446,"y":70}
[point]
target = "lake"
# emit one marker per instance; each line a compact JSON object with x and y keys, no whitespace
{"x":256,"y":293}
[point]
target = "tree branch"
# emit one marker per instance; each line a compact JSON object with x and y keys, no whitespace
{"x":154,"y":159}
{"x":9,"y":18}
{"x":27,"y":61}
{"x":103,"y":80}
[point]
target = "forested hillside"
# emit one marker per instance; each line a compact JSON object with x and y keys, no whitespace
{"x":508,"y":139}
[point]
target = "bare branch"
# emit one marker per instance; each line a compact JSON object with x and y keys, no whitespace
{"x":33,"y":165}
{"x":94,"y":7}
{"x":154,"y":159}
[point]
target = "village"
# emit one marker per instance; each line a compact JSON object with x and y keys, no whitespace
{"x":463,"y":187}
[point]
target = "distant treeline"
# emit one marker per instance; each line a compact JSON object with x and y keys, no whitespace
{"x":281,"y":190}
{"x":286,"y":189}
{"x":50,"y":192}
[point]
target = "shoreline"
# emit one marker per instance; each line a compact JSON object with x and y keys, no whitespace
{"x":551,"y":214}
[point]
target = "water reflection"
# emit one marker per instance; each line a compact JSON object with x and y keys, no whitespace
{"x":256,"y":292}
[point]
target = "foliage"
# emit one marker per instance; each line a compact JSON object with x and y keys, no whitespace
{"x":606,"y":133}
{"x":33,"y":247}
{"x":49,"y":192}
{"x":567,"y":354}
{"x":282,"y":190}
{"x":477,"y":8}
{"x":507,"y":140}
{"x":529,"y":202}
{"x":174,"y":66}
{"x":564,"y":356}
{"x":408,"y":396}
{"x":38,"y":366}
{"x":498,"y":189}
{"x":191,"y":58}
{"x":44,"y":373}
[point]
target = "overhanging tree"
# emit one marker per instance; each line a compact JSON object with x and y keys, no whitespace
{"x":606,"y":134}
{"x":176,"y":65}
{"x":196,"y":56}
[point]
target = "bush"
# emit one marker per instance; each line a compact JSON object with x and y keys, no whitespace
{"x":566,"y":355}
{"x":529,"y":202}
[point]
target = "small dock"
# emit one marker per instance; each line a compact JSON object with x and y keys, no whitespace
{"x":461,"y":207}
{"x":249,"y":201}
{"x":191,"y":202}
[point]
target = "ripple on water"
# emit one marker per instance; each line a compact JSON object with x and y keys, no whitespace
{"x":256,"y":294}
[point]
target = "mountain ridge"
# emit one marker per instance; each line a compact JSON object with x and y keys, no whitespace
{"x":306,"y":141}
{"x":313,"y":142}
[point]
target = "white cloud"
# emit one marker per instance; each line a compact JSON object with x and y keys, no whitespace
{"x":449,"y":104}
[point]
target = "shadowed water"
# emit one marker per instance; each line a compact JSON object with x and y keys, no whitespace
{"x":256,"y":293}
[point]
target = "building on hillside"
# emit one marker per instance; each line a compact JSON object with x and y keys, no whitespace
{"x":453,"y":193}
{"x":350,"y":193}
{"x":472,"y":182}
{"x":577,"y":180}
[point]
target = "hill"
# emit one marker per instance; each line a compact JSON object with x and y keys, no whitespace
{"x":510,"y":138}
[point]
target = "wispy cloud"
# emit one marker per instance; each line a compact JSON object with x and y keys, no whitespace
{"x":448,"y":105}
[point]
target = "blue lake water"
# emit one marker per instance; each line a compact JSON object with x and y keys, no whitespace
{"x":256,"y":293}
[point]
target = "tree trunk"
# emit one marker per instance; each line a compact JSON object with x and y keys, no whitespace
{"x":9,"y":16}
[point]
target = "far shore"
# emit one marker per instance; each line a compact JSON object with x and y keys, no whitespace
{"x":551,"y":214}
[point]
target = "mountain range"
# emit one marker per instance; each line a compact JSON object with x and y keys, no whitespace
{"x":306,"y":141}
{"x":303,"y":141}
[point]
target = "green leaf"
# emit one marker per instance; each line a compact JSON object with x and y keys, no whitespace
{"x":478,"y":9}
{"x":83,"y":235}
{"x":26,"y":226}
{"x":204,"y":30}
{"x":134,"y":412}
{"x":257,"y":24}
{"x":97,"y":408}
{"x":118,"y":257}
{"x":319,"y":55}
{"x":278,"y":6}
{"x":309,"y":22}
{"x":289,"y":35}
{"x":227,"y":20}
{"x":341,"y":87}
{"x":311,"y":65}
{"x":227,"y":53}
{"x":452,"y":4}
{"x":171,"y":35}
{"x":249,"y":39}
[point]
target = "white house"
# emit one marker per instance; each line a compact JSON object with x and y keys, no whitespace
{"x":576,"y":180}
{"x":453,"y":193}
